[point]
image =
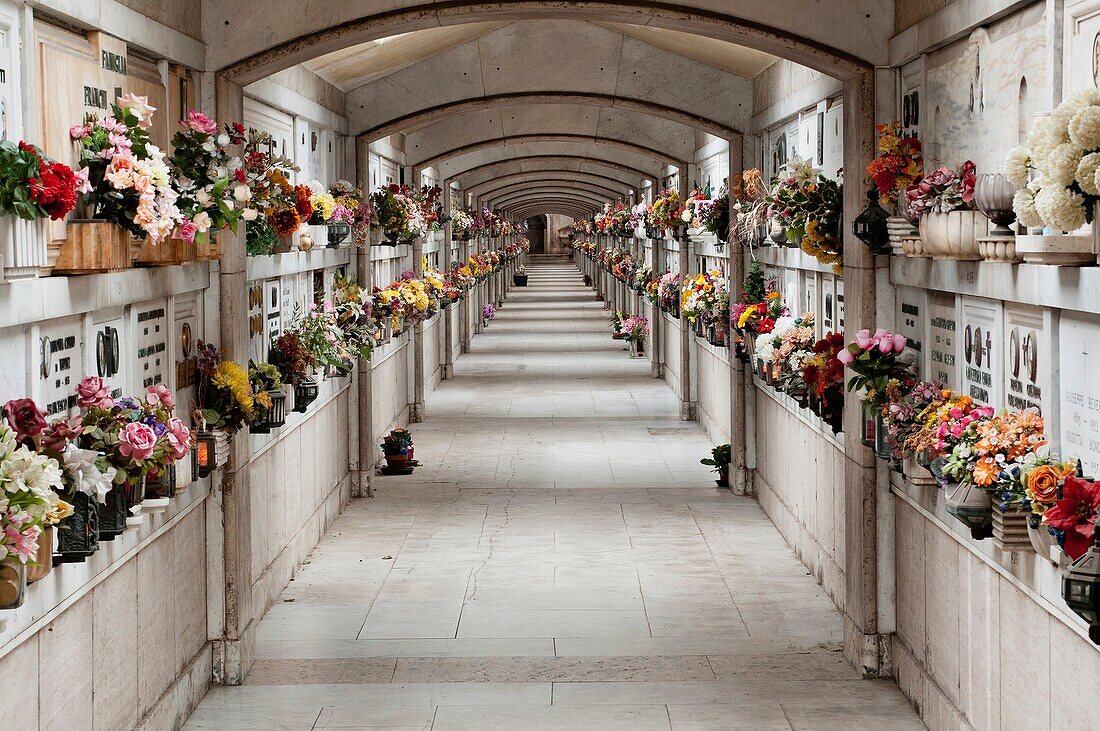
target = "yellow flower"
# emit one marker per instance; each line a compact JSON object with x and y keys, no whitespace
{"x":232,"y":378}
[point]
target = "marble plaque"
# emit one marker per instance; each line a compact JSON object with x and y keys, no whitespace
{"x":788,"y":282}
{"x":809,"y":298}
{"x":839,"y":303}
{"x":980,"y":350}
{"x":912,"y":322}
{"x":150,"y":328}
{"x":273,"y":313}
{"x":1079,"y":389}
{"x":1027,"y":351}
{"x":826,"y":309}
{"x":940,"y":361}
{"x":58,"y":353}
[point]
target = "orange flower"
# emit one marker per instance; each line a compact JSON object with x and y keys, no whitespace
{"x":1043,"y":482}
{"x":986,"y":472}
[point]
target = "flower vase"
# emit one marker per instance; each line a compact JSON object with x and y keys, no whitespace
{"x":337,"y":234}
{"x":39,"y":567}
{"x":135,"y":494}
{"x":1010,"y":532}
{"x":78,"y":534}
{"x":13,"y":583}
{"x":1042,"y":540}
{"x":882,"y":445}
{"x":970,"y":505}
{"x":90,"y":247}
{"x":305,"y":393}
{"x":635,"y":349}
{"x":159,"y":490}
{"x":112,"y":514}
{"x":869,"y":433}
{"x":953,"y":235}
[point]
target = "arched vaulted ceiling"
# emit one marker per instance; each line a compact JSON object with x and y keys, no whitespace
{"x":603,"y":94}
{"x":508,"y":196}
{"x":247,"y":42}
{"x":536,"y":163}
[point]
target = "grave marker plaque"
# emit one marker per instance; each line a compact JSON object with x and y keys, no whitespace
{"x":941,"y":340}
{"x":981,"y":350}
{"x":1079,"y":389}
{"x":1027,"y":359}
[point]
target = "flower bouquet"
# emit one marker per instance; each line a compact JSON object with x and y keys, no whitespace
{"x":224,"y":392}
{"x":32,"y":186}
{"x":823,"y":374}
{"x":667,"y":211}
{"x":808,"y":206}
{"x":876,"y":361}
{"x":268,"y":397}
{"x":273,"y":211}
{"x":488,"y":312}
{"x":635,"y":329}
{"x":943,"y":204}
{"x":212,"y":183}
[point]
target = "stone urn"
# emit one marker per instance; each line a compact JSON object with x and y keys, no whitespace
{"x":953,"y":235}
{"x":898,"y":228}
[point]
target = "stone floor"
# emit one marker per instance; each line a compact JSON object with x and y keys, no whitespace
{"x":560,"y":560}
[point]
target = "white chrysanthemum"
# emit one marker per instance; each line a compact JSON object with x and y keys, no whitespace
{"x":1086,"y":173}
{"x":764,"y":349}
{"x":1086,"y":96}
{"x":1044,"y":137}
{"x":1023,"y":203}
{"x":1060,"y":209}
{"x":1084,"y":128}
{"x":1017,"y":166}
{"x":1062,"y":163}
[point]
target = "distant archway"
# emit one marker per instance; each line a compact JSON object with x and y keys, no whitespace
{"x":536,"y":234}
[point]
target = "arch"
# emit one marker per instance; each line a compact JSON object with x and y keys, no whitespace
{"x":489,"y":168}
{"x":658,"y":155}
{"x":541,"y":182}
{"x":555,"y":174}
{"x":507,"y":196}
{"x":591,"y":199}
{"x":833,"y":47}
{"x":560,"y":209}
{"x":496,"y":101}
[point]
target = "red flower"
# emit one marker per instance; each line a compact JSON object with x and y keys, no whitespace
{"x":55,"y":188}
{"x":24,"y":417}
{"x":1075,"y":513}
{"x":302,"y":204}
{"x":239,"y":174}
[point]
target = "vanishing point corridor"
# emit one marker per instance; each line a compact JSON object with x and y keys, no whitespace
{"x":559,"y":560}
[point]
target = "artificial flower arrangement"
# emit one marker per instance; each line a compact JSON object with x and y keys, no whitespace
{"x":29,"y":485}
{"x":786,"y":346}
{"x":128,"y":178}
{"x":666,"y":211}
{"x":265,"y":380}
{"x":319,"y":333}
{"x":295,"y":362}
{"x":1057,"y":167}
{"x":941,"y":191}
{"x":698,"y":209}
{"x":273,"y":209}
{"x":405,"y":214}
{"x":874,"y":358}
{"x":808,"y":206}
{"x":823,"y":374}
{"x":224,"y":393}
{"x":212,"y":184}
{"x":760,"y":303}
{"x":462,"y":223}
{"x":705,"y":299}
{"x":668,"y":288}
{"x":33,"y":186}
{"x":353,"y":305}
{"x":634,"y":328}
{"x":488,"y":312}
{"x":897,"y":165}
{"x":750,"y":216}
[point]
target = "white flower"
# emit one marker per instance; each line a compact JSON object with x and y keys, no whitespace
{"x":202,"y":198}
{"x":242,"y":193}
{"x":1062,"y":164}
{"x":249,"y":214}
{"x":1044,"y":137}
{"x":202,"y":221}
{"x":1017,"y":164}
{"x":1084,"y":128}
{"x":764,"y":349}
{"x":27,"y":471}
{"x":7,"y":442}
{"x":1023,"y":203}
{"x":223,"y":140}
{"x":85,"y":475}
{"x":1061,"y":209}
{"x":1086,"y":173}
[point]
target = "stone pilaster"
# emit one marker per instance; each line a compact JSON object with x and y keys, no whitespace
{"x":448,"y":312}
{"x":687,"y":268}
{"x":740,"y":376}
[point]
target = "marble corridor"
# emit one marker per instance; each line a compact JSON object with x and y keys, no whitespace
{"x":559,"y":560}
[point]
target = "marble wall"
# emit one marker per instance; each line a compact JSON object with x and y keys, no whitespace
{"x":981,"y":94}
{"x":712,"y":390}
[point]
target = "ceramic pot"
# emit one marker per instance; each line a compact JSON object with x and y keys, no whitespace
{"x":953,"y":235}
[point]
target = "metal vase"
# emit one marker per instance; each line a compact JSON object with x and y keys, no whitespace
{"x":13,"y":583}
{"x":78,"y":535}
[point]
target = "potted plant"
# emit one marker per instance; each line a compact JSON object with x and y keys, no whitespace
{"x":719,"y":459}
{"x":397,"y":449}
{"x":270,"y":400}
{"x":520,"y":277}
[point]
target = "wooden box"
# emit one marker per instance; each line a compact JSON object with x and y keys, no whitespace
{"x":90,"y":247}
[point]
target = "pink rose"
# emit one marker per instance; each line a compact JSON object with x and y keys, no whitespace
{"x":863,"y":339}
{"x":58,"y":434}
{"x":93,"y":392}
{"x":899,"y":342}
{"x":845,"y":356}
{"x":159,"y":394}
{"x":186,"y":231}
{"x":886,"y":346}
{"x":137,"y":441}
{"x":179,"y":437}
{"x":78,"y":131}
{"x":201,"y":123}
